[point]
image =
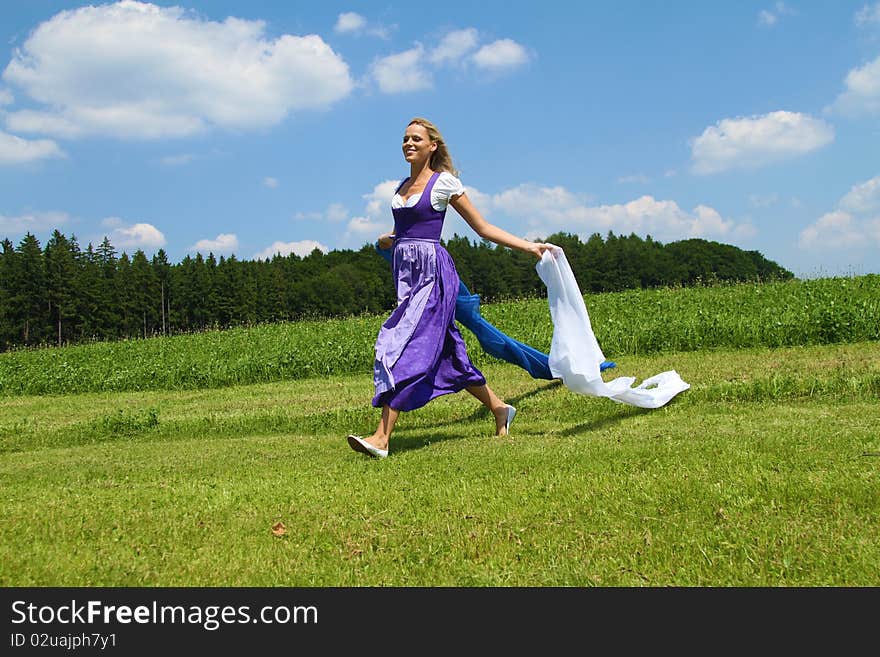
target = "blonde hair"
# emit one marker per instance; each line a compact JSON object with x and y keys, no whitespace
{"x":441,"y":160}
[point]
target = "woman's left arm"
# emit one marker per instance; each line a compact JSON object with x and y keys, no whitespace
{"x":491,"y":232}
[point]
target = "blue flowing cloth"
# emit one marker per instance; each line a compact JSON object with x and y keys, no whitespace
{"x":494,"y":342}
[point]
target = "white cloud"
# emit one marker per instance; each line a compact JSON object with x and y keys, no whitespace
{"x":766,"y":18}
{"x":411,"y":70}
{"x":758,"y":141}
{"x":375,"y":220}
{"x":402,"y":72}
{"x":501,"y":55}
{"x":223,"y":243}
{"x":32,"y":222}
{"x":832,"y":230}
{"x":177,"y":160}
{"x":862,"y":95}
{"x":547,"y":210}
{"x":868,"y":14}
{"x":135,"y":236}
{"x":301,"y":248}
{"x":270,"y":182}
{"x":140,"y":71}
{"x":454,"y":46}
{"x":349,"y":21}
{"x":361,"y":230}
{"x":855,"y":223}
{"x":15,"y":150}
{"x":770,"y":17}
{"x":536,"y":211}
{"x":379,"y":200}
{"x":863,"y":198}
{"x":335,"y":213}
{"x":6,"y":97}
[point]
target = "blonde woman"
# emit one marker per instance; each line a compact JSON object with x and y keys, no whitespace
{"x":420,"y":353}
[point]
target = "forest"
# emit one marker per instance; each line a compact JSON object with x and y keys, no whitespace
{"x":60,"y":293}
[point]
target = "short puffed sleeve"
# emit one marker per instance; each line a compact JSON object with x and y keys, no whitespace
{"x":445,"y":187}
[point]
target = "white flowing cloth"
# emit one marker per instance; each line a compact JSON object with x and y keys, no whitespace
{"x":575,"y":354}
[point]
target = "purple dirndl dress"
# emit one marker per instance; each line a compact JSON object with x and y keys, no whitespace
{"x":420,"y":353}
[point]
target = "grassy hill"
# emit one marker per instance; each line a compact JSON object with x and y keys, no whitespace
{"x":168,"y":462}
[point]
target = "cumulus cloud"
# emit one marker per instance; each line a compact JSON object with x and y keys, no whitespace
{"x":554,"y":209}
{"x":15,"y":150}
{"x":6,"y":97}
{"x":133,"y":236}
{"x":361,"y":230}
{"x":411,"y":70}
{"x":136,"y":70}
{"x":863,"y":198}
{"x":402,"y":72}
{"x":379,"y":200}
{"x":454,"y":46}
{"x":770,"y":17}
{"x":855,"y":223}
{"x":501,"y":55}
{"x":32,"y":222}
{"x":301,"y":248}
{"x":270,"y":182}
{"x":376,"y":218}
{"x":223,"y":243}
{"x":862,"y":94}
{"x":351,"y":22}
{"x":867,"y":15}
{"x":757,"y":141}
{"x":335,"y":213}
{"x":832,"y":230}
{"x":535,"y":211}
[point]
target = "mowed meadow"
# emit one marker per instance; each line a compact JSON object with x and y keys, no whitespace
{"x":219,"y":458}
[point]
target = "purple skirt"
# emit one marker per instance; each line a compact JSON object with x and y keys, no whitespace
{"x":420,"y":353}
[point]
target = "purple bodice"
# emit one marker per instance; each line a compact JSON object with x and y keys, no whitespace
{"x":420,"y":221}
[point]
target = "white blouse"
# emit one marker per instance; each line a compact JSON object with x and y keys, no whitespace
{"x":445,"y":187}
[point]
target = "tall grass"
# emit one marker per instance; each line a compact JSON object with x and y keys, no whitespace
{"x":636,"y":322}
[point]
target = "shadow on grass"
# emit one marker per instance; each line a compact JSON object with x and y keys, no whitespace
{"x":403,"y":443}
{"x":605,"y":420}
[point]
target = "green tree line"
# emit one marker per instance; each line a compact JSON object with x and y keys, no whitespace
{"x":62,"y":294}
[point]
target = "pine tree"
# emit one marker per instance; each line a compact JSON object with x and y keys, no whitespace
{"x":8,"y":264}
{"x":61,"y":275}
{"x":29,"y":303}
{"x":162,"y":271}
{"x":145,"y":292}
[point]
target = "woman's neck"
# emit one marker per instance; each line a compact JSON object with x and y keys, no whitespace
{"x":420,"y":171}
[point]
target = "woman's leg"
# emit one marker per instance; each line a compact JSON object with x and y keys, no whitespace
{"x":386,"y":425}
{"x":491,"y":401}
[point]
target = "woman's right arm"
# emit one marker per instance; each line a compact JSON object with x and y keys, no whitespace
{"x":484,"y":229}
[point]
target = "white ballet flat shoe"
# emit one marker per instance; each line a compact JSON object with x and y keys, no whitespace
{"x":358,"y":444}
{"x":511,"y":413}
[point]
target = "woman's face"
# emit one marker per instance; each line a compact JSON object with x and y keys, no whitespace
{"x":417,"y":145}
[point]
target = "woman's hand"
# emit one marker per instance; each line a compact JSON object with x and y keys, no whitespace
{"x":537,"y":248}
{"x":386,"y":240}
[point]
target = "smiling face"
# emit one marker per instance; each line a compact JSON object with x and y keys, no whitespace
{"x":417,"y":144}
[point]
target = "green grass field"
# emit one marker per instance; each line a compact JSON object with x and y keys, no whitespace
{"x":764,"y":473}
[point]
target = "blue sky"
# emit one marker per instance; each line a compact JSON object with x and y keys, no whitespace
{"x":272,"y":126}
